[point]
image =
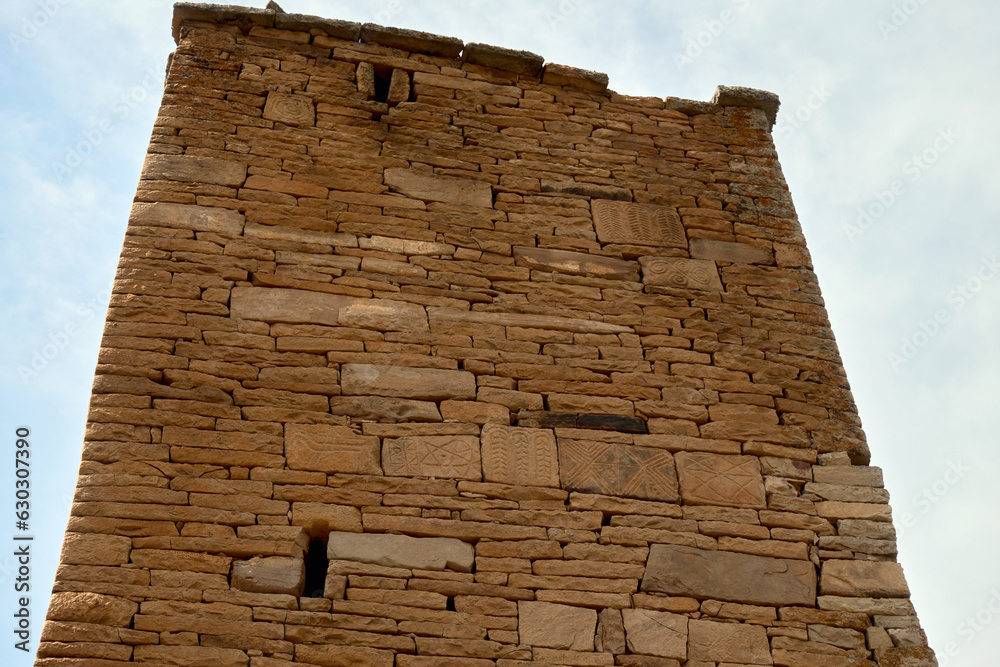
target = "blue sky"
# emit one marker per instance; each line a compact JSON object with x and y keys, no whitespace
{"x":887,"y":136}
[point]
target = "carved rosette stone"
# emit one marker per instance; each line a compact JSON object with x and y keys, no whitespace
{"x":682,"y":273}
{"x":290,"y":109}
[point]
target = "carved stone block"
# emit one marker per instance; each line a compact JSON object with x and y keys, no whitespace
{"x":331,"y":449}
{"x":682,"y":273}
{"x":290,"y":109}
{"x":449,"y":456}
{"x":617,"y":470}
{"x":717,"y":479}
{"x":523,"y":456}
{"x":641,"y":224}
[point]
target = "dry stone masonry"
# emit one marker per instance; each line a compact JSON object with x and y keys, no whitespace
{"x":424,"y":353}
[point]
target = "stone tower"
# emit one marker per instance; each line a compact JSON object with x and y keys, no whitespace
{"x":424,"y":353}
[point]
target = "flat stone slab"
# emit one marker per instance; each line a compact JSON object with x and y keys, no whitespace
{"x":524,"y":63}
{"x":521,"y":456}
{"x":557,"y":626}
{"x":429,"y":384}
{"x":416,"y":553}
{"x":726,"y":251}
{"x":617,"y":470}
{"x":737,"y":643}
{"x":437,"y":456}
{"x":575,"y":263}
{"x":194,"y":169}
{"x":659,"y":633}
{"x":294,"y":306}
{"x":187,"y":216}
{"x":681,"y":273}
{"x":717,"y":479}
{"x":274,"y":574}
{"x":642,"y":224}
{"x":734,"y":577}
{"x":447,"y":189}
{"x":331,"y":449}
{"x":864,"y":579}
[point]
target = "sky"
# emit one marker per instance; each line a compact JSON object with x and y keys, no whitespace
{"x":886,"y":135}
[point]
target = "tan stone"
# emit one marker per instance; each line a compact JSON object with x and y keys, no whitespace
{"x":430,"y":187}
{"x":522,"y":456}
{"x":419,"y":553}
{"x":316,"y":518}
{"x":642,"y":224}
{"x":190,"y":656}
{"x":194,"y":169}
{"x":290,"y":109}
{"x":450,"y":456}
{"x":341,"y":656}
{"x":617,"y":470}
{"x":95,"y":549}
{"x":274,"y":304}
{"x":681,"y":273}
{"x":556,"y":626}
{"x":221,"y":221}
{"x":275,"y":574}
{"x":657,"y":633}
{"x":726,"y":251}
{"x":331,"y":449}
{"x":385,"y":409}
{"x":715,"y":479}
{"x":575,"y":263}
{"x":407,"y":382}
{"x":740,"y":643}
{"x":863,"y":579}
{"x":91,"y":608}
{"x":735,"y":577}
{"x":610,"y":632}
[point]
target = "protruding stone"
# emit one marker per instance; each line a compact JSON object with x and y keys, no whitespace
{"x":573,"y":77}
{"x":740,"y":96}
{"x":274,"y":574}
{"x":418,"y":553}
{"x":575,"y":263}
{"x":318,"y":518}
{"x":857,"y":578}
{"x":557,"y":626}
{"x":91,"y":608}
{"x":523,"y":63}
{"x":346,"y":30}
{"x":414,"y":41}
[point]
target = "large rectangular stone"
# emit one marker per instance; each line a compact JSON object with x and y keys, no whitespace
{"x":521,"y":456}
{"x":737,"y":643}
{"x":855,"y":578}
{"x":194,"y":169}
{"x":680,"y":272}
{"x":429,"y":384}
{"x":416,"y":553}
{"x":632,"y":223}
{"x":617,"y":470}
{"x":556,"y":626}
{"x":660,"y":633}
{"x":331,"y":449}
{"x":575,"y":263}
{"x":734,"y":577}
{"x":273,"y":304}
{"x":727,"y":251}
{"x":185,"y":216}
{"x":431,"y":187}
{"x":717,"y":479}
{"x":448,"y":456}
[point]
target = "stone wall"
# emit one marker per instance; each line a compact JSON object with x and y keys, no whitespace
{"x":526,"y":370}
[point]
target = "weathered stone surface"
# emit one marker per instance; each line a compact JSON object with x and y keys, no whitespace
{"x":194,"y":169}
{"x":95,"y":549}
{"x":681,"y":273}
{"x":853,"y":578}
{"x":574,"y":77}
{"x":418,"y":553}
{"x":412,"y":40}
{"x":316,"y":518}
{"x":430,"y":384}
{"x":272,"y":304}
{"x":739,"y":643}
{"x":657,"y":633}
{"x":735,"y":577}
{"x":725,"y":251}
{"x":338,"y":655}
{"x":642,"y":224}
{"x":556,"y":626}
{"x":448,"y":189}
{"x":184,"y":216}
{"x":378,"y":408}
{"x":331,"y":449}
{"x":449,"y":456}
{"x":276,"y":574}
{"x":520,"y":62}
{"x":617,"y":470}
{"x":290,"y":109}
{"x":91,"y":608}
{"x":575,"y":263}
{"x":523,"y":456}
{"x":748,"y":97}
{"x":610,"y":632}
{"x":716,"y":479}
{"x":190,"y":656}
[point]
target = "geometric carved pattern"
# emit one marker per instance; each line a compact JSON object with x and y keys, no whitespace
{"x":678,"y":272}
{"x":525,"y":456}
{"x":716,"y":479}
{"x":290,"y":109}
{"x":617,"y":470}
{"x":642,"y":224}
{"x":330,"y":449}
{"x":449,"y":456}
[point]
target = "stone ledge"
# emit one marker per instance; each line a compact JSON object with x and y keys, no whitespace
{"x":738,"y":96}
{"x":412,"y":40}
{"x":243,"y":17}
{"x":573,"y":77}
{"x":346,"y":30}
{"x":524,"y":63}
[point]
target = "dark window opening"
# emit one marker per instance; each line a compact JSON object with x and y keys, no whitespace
{"x":450,"y":605}
{"x":316,"y":566}
{"x":383,"y":77}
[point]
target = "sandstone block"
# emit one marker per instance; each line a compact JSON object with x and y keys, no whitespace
{"x":190,"y":656}
{"x":276,"y":574}
{"x":331,"y":449}
{"x":855,"y":578}
{"x":716,"y":479}
{"x":681,"y":273}
{"x":734,"y":577}
{"x":738,"y":643}
{"x":183,"y":216}
{"x":91,"y":608}
{"x":657,"y":633}
{"x":273,"y":304}
{"x":430,"y":384}
{"x":449,"y":456}
{"x":417,"y":553}
{"x":641,"y":224}
{"x":610,"y":632}
{"x":194,"y":169}
{"x":316,"y":518}
{"x":556,"y":626}
{"x":726,"y":251}
{"x":95,"y":549}
{"x":290,"y":109}
{"x":448,"y":189}
{"x":617,"y":470}
{"x":520,"y":456}
{"x":575,"y":263}
{"x":380,"y":409}
{"x":519,"y":62}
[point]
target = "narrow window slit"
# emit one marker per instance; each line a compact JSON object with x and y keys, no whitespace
{"x":316,"y":566}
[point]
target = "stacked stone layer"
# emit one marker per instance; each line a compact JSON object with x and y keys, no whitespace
{"x":542,"y":370}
